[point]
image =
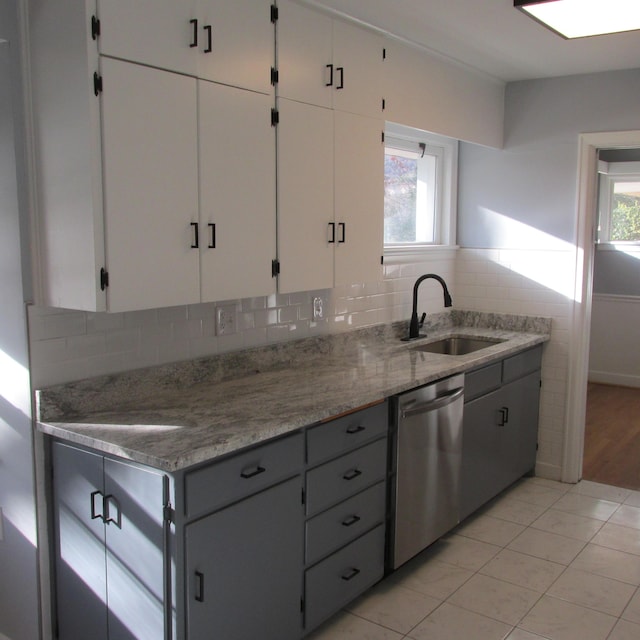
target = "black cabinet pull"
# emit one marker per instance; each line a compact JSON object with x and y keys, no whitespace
{"x":343,"y":228}
{"x":196,"y":240}
{"x":207,"y":28}
{"x":332,"y":230}
{"x":250,"y":473}
{"x":94,"y":514}
{"x":110,"y":501}
{"x":503,"y":416}
{"x":340,"y":84}
{"x":212,"y":241}
{"x":330,"y":83}
{"x":350,"y":521}
{"x":350,"y":475}
{"x":506,"y":414}
{"x":199,"y":586}
{"x":353,"y":572}
{"x":194,"y":38}
{"x":355,"y":429}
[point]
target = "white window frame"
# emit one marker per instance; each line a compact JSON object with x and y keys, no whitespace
{"x":609,"y":174}
{"x":409,"y":140}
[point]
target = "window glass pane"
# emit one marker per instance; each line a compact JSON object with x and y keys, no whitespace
{"x":625,"y":212}
{"x":410,"y":193}
{"x":400,"y":195}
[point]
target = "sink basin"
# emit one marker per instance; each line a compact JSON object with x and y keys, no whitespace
{"x":457,"y":346}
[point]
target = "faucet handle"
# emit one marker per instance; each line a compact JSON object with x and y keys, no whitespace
{"x":424,"y":315}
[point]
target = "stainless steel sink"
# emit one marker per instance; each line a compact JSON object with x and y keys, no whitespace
{"x":457,"y":346}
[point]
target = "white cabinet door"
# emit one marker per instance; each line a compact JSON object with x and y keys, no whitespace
{"x":154,"y":32}
{"x":359,"y":198}
{"x":237,"y":43}
{"x":305,"y":197}
{"x":305,"y":57}
{"x":150,"y":157}
{"x":327,"y":62}
{"x":237,"y":193}
{"x":357,"y":57}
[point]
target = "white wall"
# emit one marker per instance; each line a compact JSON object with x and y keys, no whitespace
{"x":521,"y":201}
{"x":19,"y":608}
{"x":614,"y":355}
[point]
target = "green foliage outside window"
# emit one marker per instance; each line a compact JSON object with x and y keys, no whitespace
{"x":625,"y":218}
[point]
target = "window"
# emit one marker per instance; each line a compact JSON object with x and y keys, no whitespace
{"x":420,"y":172}
{"x":619,"y":202}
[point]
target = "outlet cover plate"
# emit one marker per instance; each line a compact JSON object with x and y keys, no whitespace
{"x":226,"y":320}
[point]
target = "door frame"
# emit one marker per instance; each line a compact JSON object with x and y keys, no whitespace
{"x":588,"y":146}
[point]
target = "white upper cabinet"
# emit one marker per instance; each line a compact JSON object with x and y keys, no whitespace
{"x":330,"y":197}
{"x":158,"y":33}
{"x":359,"y":198}
{"x":327,"y":62}
{"x":227,"y":42}
{"x":237,"y":193}
{"x":150,"y":156}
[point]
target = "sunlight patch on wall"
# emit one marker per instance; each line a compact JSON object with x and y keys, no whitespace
{"x":14,"y":379}
{"x":554,"y":272}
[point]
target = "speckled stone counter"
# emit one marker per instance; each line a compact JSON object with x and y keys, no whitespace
{"x":174,"y":416}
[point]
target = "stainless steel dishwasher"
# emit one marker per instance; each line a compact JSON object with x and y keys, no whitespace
{"x":428,"y":455}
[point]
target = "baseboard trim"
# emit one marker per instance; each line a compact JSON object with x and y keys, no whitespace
{"x":618,"y":379}
{"x":548,"y":471}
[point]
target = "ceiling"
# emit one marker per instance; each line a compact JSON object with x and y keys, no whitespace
{"x":493,"y":37}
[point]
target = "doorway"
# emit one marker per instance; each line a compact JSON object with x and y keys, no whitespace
{"x":589,"y":145}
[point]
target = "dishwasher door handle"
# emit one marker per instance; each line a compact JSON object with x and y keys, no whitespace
{"x":433,"y":405}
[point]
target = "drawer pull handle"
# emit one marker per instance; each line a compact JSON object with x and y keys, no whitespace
{"x":350,"y":521}
{"x":199,"y":586}
{"x":250,"y":473}
{"x":350,"y":475}
{"x":353,"y":572}
{"x":355,"y":429}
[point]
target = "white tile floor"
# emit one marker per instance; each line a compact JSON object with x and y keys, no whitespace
{"x":543,"y":560}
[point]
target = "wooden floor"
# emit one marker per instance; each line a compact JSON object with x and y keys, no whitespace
{"x":612,"y":436}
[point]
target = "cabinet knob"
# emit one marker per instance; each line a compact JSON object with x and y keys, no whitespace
{"x":250,"y":473}
{"x":350,"y":475}
{"x":355,"y":429}
{"x":351,"y":574}
{"x":350,"y":521}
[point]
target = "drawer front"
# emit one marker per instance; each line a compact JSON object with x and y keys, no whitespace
{"x":339,"y":479}
{"x":481,"y":381}
{"x":345,"y":522}
{"x":344,"y":434}
{"x":210,"y":487}
{"x":521,"y":364}
{"x":343,"y":576}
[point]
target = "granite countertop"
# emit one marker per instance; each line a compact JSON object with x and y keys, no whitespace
{"x":174,"y":416}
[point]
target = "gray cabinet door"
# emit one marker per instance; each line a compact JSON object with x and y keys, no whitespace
{"x":81,"y":596}
{"x":244,"y":567}
{"x":110,"y":569}
{"x":134,"y":552}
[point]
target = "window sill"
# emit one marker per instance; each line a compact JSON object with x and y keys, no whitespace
{"x":398,"y":255}
{"x":625,"y":247}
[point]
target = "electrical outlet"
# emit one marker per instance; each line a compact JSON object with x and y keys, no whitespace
{"x":318,"y":308}
{"x":226,"y":320}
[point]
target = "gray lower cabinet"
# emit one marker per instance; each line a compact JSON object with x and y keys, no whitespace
{"x":110,"y":570}
{"x":500,"y":427}
{"x":243,"y":568}
{"x":346,"y":511}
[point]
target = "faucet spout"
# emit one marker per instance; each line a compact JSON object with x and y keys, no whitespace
{"x":414,"y":326}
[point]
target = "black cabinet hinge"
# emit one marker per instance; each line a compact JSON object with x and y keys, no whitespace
{"x":95,"y":27}
{"x":104,"y":279}
{"x":275,"y":117}
{"x":275,"y":268}
{"x":97,"y":83}
{"x":274,"y":13}
{"x":168,"y":514}
{"x":274,"y":76}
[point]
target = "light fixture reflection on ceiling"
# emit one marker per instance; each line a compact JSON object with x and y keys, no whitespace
{"x":582,"y":18}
